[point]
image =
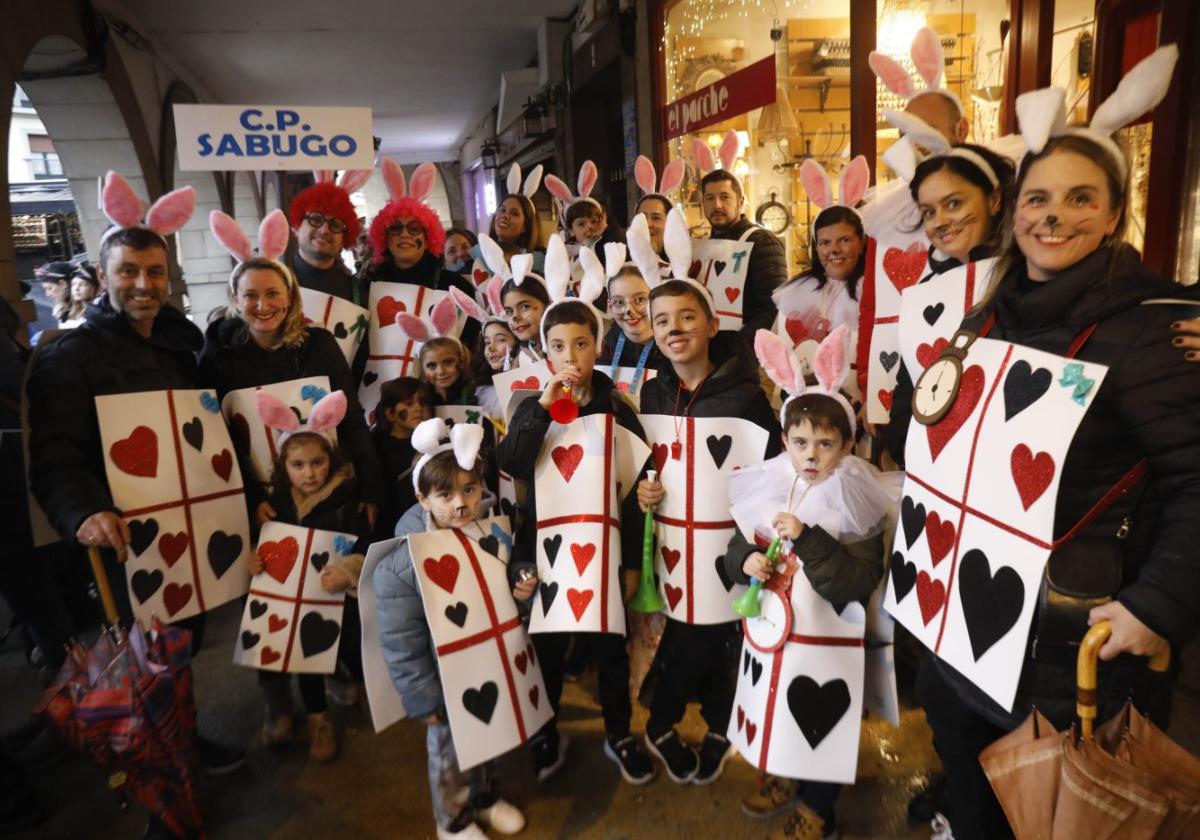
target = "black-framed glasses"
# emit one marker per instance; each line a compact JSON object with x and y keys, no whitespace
{"x":316,"y":220}
{"x":413,"y":228}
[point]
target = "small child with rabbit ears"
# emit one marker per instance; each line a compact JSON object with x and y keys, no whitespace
{"x":496,"y":346}
{"x":585,"y":221}
{"x":523,"y":298}
{"x":443,"y":360}
{"x":313,"y":486}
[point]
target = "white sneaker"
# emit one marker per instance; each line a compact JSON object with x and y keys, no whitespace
{"x":941,"y":828}
{"x":471,"y":832}
{"x":503,"y":816}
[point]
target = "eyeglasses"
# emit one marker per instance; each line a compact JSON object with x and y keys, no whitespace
{"x":316,"y":220}
{"x":413,"y":228}
{"x":637,"y":302}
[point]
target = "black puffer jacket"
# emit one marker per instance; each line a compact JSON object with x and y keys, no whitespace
{"x":335,"y":280}
{"x":1146,"y":408}
{"x":103,"y":356}
{"x":768,"y":270}
{"x":231,"y":361}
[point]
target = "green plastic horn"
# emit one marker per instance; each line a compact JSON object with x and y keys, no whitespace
{"x":746,"y":604}
{"x":648,"y":599}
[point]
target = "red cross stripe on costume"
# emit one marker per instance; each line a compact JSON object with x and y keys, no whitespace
{"x":407,"y":355}
{"x":496,"y":631}
{"x":689,"y":524}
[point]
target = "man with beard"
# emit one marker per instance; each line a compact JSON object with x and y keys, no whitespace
{"x":324,"y":222}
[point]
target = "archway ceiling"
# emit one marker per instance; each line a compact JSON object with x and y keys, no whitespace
{"x":429,"y":70}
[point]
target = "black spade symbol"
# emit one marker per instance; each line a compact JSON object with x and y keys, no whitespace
{"x":481,"y":702}
{"x":817,"y":708}
{"x":317,"y":634}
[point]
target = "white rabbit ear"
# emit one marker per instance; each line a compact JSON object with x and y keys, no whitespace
{"x":902,"y":158}
{"x":521,"y":265}
{"x":593,"y":271}
{"x":493,"y":256}
{"x":927,"y":56}
{"x":703,"y":155}
{"x":643,"y":173}
{"x":230,"y":234}
{"x":1140,"y":91}
{"x":273,"y":235}
{"x":513,"y":182}
{"x":889,"y":71}
{"x":590,"y":288}
{"x":428,"y":436}
{"x":672,"y":177}
{"x":323,"y":176}
{"x":642,"y":251}
{"x":557,"y":270}
{"x":779,"y":361}
{"x":677,"y":239}
{"x":855,"y":180}
{"x":533,"y":181}
{"x":413,"y":327}
{"x":588,"y":174}
{"x":494,"y":287}
{"x":730,"y":147}
{"x":831,"y":362}
{"x":919,"y":131}
{"x":1041,"y":114}
{"x":393,"y":178}
{"x":614,"y":258}
{"x":465,"y":440}
{"x":816,"y":183}
{"x":172,"y":211}
{"x":443,"y":315}
{"x":557,"y":188}
{"x":468,"y":305}
{"x":353,"y":180}
{"x":422,"y":181}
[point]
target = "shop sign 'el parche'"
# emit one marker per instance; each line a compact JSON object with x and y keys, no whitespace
{"x":749,"y":88}
{"x":256,"y":137}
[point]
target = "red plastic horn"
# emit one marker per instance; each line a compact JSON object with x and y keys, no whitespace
{"x":564,"y":409}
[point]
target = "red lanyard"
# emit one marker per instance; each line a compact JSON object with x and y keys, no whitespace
{"x":677,"y":446}
{"x":1076,"y":343}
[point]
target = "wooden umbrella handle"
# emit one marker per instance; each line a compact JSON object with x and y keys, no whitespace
{"x":1086,"y":667}
{"x":106,"y":596}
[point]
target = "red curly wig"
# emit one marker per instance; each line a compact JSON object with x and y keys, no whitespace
{"x":328,"y":200}
{"x":435,"y":237}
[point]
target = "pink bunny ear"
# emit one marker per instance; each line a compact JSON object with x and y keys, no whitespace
{"x":353,"y":180}
{"x":855,"y":180}
{"x":894,"y":77}
{"x":468,"y":305}
{"x":328,"y":412}
{"x":558,"y":189}
{"x":413,"y":327}
{"x":422,"y":181}
{"x":643,"y":173}
{"x":273,"y":235}
{"x":816,"y":183}
{"x":831,"y":362}
{"x":672,"y":177}
{"x":120,"y":202}
{"x":779,"y":361}
{"x":323,"y":176}
{"x":703,"y":155}
{"x":494,"y":287}
{"x":927,"y":56}
{"x":393,"y":178}
{"x":172,"y":211}
{"x":275,"y":413}
{"x":444,"y":315}
{"x":230,"y":234}
{"x":587,"y":178}
{"x":730,"y":147}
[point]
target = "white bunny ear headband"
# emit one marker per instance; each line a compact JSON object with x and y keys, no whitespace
{"x":433,"y":437}
{"x":472,"y":308}
{"x":645,"y":176}
{"x":927,"y":58}
{"x":852,"y":188}
{"x":1042,"y":114}
{"x":730,"y":146}
{"x":124,"y":209}
{"x":531,"y":184}
{"x":920,"y":143}
{"x":438,"y":325}
{"x":831,"y":364}
{"x":595,"y":278}
{"x":272,"y":239}
{"x":326,"y":415}
{"x":518,"y":271}
{"x":677,"y":240}
{"x":588,"y":175}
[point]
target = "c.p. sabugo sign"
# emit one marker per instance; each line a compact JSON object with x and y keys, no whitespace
{"x":749,"y":88}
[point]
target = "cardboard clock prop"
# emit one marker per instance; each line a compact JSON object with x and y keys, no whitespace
{"x":977,"y":515}
{"x":894,"y":263}
{"x":583,"y":472}
{"x":173,"y":474}
{"x":252,"y":435}
{"x":931,"y":312}
{"x":347,"y":322}
{"x":290,"y":623}
{"x":692,"y":524}
{"x":722,"y":265}
{"x":391,"y":352}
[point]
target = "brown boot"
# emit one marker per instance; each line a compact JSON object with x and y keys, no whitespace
{"x":775,"y":796}
{"x":277,"y":728}
{"x":804,"y":824}
{"x":322,"y":739}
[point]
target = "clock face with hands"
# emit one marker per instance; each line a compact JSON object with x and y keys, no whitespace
{"x":936,"y":389}
{"x":768,"y":632}
{"x":774,"y":216}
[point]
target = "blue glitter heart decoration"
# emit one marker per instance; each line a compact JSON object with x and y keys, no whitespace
{"x":209,"y":401}
{"x":343,"y":545}
{"x":313,"y":393}
{"x":503,"y":537}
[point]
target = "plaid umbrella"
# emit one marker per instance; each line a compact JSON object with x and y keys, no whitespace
{"x":127,"y":705}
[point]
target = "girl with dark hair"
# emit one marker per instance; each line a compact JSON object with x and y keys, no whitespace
{"x":456,"y":253}
{"x":404,"y":403}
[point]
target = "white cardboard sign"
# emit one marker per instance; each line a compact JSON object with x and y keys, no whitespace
{"x":807,"y":314}
{"x":347,"y":323}
{"x":252,"y":435}
{"x":722,"y":266}
{"x":893,"y":265}
{"x":931,"y":312}
{"x":384,"y":700}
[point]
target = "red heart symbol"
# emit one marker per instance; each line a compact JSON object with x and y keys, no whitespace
{"x":533,"y":696}
{"x":567,"y":459}
{"x":927,"y":353}
{"x":751,"y":731}
{"x":969,"y":391}
{"x":904,"y":268}
{"x":172,"y":546}
{"x":529,"y":384}
{"x":670,"y":558}
{"x":741,"y":718}
{"x":660,"y":456}
{"x":175,"y":597}
{"x":306,"y":319}
{"x":521,"y":661}
{"x":694,"y":268}
{"x":480,"y":276}
{"x":279,"y":557}
{"x":583,"y":555}
{"x":388,"y":308}
{"x":1032,"y":473}
{"x":222,"y":464}
{"x":275,"y":623}
{"x":796,"y":329}
{"x":623,"y":387}
{"x":443,"y":572}
{"x":885,"y":398}
{"x":579,"y":600}
{"x":674,"y":593}
{"x":732,"y":293}
{"x":931,"y":594}
{"x":269,"y":656}
{"x":940,"y":536}
{"x":138,"y":453}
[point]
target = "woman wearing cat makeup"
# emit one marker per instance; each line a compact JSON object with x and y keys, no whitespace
{"x":1068,"y":285}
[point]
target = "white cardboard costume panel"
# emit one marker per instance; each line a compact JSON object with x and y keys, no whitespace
{"x":583,"y":472}
{"x":807,"y":314}
{"x":528,"y":379}
{"x":382,"y":697}
{"x":880,"y":696}
{"x":893,"y":265}
{"x":722,"y":265}
{"x":390,"y":352}
{"x":491,"y":680}
{"x":459,"y":413}
{"x":977,"y":516}
{"x":346,"y":321}
{"x":172,"y":472}
{"x":290,"y":623}
{"x":931,"y":312}
{"x":692,"y":523}
{"x":252,"y":435}
{"x":623,"y":382}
